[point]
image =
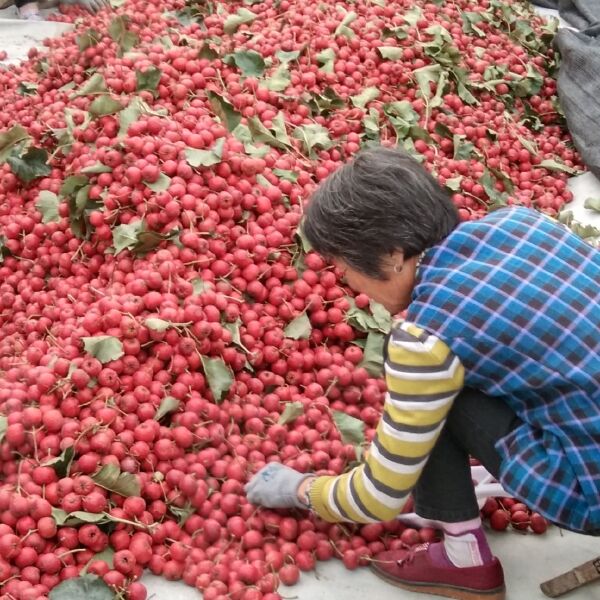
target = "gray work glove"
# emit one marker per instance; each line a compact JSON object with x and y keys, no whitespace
{"x":276,"y":486}
{"x":92,"y":6}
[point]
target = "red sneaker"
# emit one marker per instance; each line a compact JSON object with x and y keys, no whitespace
{"x":426,"y":569}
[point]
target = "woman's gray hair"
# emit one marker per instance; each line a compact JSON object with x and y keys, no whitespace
{"x":381,"y":202}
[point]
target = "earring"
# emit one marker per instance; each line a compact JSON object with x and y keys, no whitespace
{"x":398,"y":268}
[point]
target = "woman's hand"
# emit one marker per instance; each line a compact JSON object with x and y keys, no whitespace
{"x":278,"y":486}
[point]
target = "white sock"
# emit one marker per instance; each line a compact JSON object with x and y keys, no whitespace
{"x":465,"y":544}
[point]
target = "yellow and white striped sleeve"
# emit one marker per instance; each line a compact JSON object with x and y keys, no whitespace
{"x":423,"y":377}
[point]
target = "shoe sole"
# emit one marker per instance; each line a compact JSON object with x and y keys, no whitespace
{"x":448,"y":591}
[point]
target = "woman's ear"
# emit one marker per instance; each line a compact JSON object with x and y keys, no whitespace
{"x":397,"y":261}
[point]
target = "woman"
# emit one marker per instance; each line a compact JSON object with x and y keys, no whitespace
{"x":498,"y":357}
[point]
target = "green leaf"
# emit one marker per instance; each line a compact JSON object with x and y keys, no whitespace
{"x":234,"y":22}
{"x":464,"y":94}
{"x":588,"y":233}
{"x":371,"y":124}
{"x":126,"y":236}
{"x":529,"y":145}
{"x":249,"y":62}
{"x":168,"y":405}
{"x":90,"y":587}
{"x":96,"y":168}
{"x":280,"y":80}
{"x":390,"y":52}
{"x":94,"y":85}
{"x":182,"y":513}
{"x":263,"y":181}
{"x":9,"y":139}
{"x":592,"y":204}
{"x":31,"y":165}
{"x":470,"y":20}
{"x":443,"y":130}
{"x":326,"y":59}
{"x":304,"y":243}
{"x":291,"y":412}
{"x":285,"y":174}
{"x":207,"y":52}
{"x":132,"y":112}
{"x":260,"y":133}
{"x":88,"y":39}
{"x":400,"y":33}
{"x":76,"y":189}
{"x":528,"y":85}
{"x":157,"y":324}
{"x":413,"y":16}
{"x":343,"y":28}
{"x":103,"y":347}
{"x":373,"y":354}
{"x":441,"y":48}
{"x":531,"y":118}
{"x":553,"y":165}
{"x":313,"y":136}
{"x":104,"y":105}
{"x":299,"y":328}
{"x":119,"y":32}
{"x":62,"y":464}
{"x":107,"y":556}
{"x":489,"y":185}
{"x":504,"y":178}
{"x":67,"y":87}
{"x":27,"y":88}
{"x":425,"y":76}
{"x":409,"y":146}
{"x":402,"y":117}
{"x":224,"y":110}
{"x":72,"y":184}
{"x":3,"y":427}
{"x":352,"y":430}
{"x":287,"y":57}
{"x":47,"y":205}
{"x":110,"y":478}
{"x":77,"y":517}
{"x":199,"y":286}
{"x":218,"y":375}
{"x":234,"y":329}
{"x":462,"y":150}
{"x":59,"y":515}
{"x":382,"y":316}
{"x":279,"y":129}
{"x":367,"y":95}
{"x":205,"y":158}
{"x":453,"y":184}
{"x":322,"y":104}
{"x":358,"y":318}
{"x":160,"y":185}
{"x":148,"y":79}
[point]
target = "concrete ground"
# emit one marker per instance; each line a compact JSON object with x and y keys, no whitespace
{"x":528,"y":560}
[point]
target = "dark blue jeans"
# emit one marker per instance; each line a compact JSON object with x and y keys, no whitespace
{"x":445,"y":490}
{"x":475,"y":423}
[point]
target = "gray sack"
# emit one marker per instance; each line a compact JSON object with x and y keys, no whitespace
{"x":579,"y":74}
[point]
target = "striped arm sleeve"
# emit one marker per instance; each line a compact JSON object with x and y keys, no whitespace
{"x":423,"y":377}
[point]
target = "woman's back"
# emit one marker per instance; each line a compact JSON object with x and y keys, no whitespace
{"x":517,"y":298}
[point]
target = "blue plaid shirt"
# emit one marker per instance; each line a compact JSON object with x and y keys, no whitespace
{"x":516,"y":297}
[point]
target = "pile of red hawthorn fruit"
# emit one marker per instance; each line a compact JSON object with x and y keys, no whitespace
{"x":165,"y":329}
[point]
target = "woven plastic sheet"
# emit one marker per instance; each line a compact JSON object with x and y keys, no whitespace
{"x":579,"y":74}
